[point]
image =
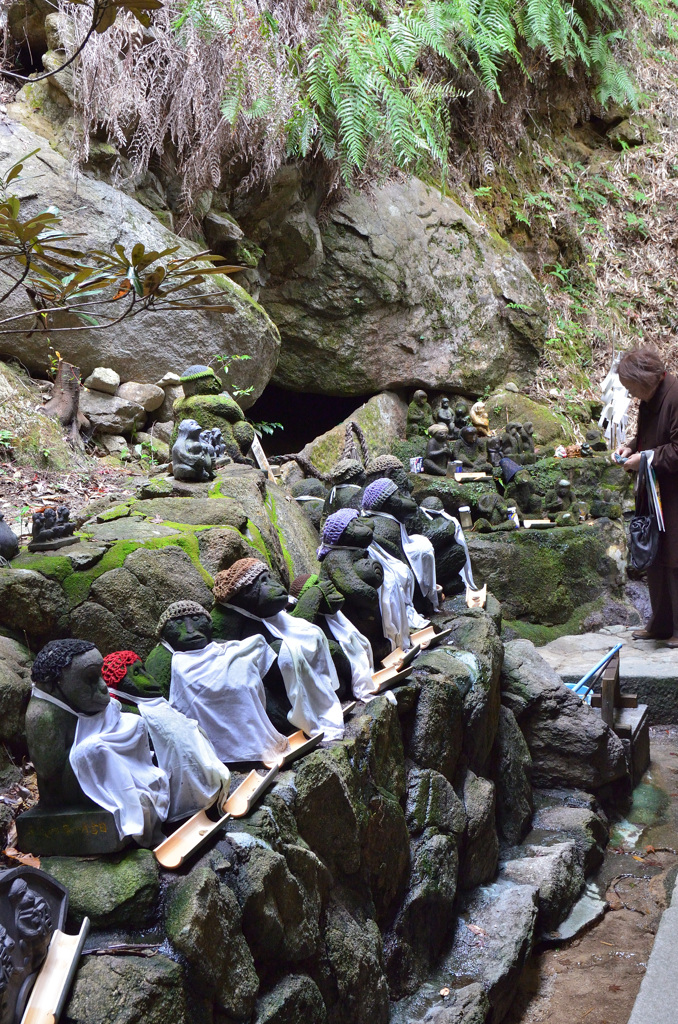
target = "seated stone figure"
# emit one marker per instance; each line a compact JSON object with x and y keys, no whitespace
{"x":595,"y":439}
{"x":318,"y":601}
{"x":191,"y":459}
{"x":218,"y":685}
{"x":480,"y":419}
{"x":559,"y":498}
{"x":471,"y":451}
{"x":9,"y":542}
{"x":87,"y":752}
{"x":310,"y":494}
{"x":408,"y":560}
{"x":51,"y":529}
{"x":453,"y":567}
{"x":522,"y":492}
{"x":437,"y":451}
{"x":444,"y":414}
{"x":461,"y":416}
{"x":348,"y":482}
{"x":206,"y":401}
{"x":252,"y":602}
{"x":419,"y":416}
{"x":347,"y":565}
{"x":212,"y":440}
{"x":392,"y":468}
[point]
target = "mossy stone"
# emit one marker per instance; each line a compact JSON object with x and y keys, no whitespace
{"x":549,"y":426}
{"x":118,"y":891}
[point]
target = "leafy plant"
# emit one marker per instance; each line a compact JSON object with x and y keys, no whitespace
{"x":98,"y":288}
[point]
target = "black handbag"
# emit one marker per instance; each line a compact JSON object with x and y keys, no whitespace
{"x":644,"y":533}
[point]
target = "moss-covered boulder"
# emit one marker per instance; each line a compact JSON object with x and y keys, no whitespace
{"x":127,"y":990}
{"x":294,"y":1000}
{"x":204,"y":925}
{"x":15,"y":691}
{"x":110,"y":891}
{"x":382,"y":419}
{"x":546,"y":576}
{"x":550,"y":427}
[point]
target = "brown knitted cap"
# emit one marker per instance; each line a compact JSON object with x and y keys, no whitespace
{"x":382,"y":464}
{"x":229,"y":581}
{"x":178,"y":610}
{"x":298,"y":584}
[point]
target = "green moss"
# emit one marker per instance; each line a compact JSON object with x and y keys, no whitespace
{"x":406,"y":450}
{"x":540,"y":635}
{"x":54,"y":567}
{"x":117,"y":512}
{"x":269,"y":502}
{"x":255,"y":538}
{"x":77,"y":586}
{"x":188,"y":542}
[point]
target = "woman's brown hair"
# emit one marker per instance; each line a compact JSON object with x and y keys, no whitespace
{"x":642,"y":366}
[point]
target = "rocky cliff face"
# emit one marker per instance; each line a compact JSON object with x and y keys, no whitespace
{"x":398,"y":288}
{"x":143,"y":348}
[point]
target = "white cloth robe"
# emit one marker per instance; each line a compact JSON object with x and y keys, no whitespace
{"x":111,"y":759}
{"x":466,"y":571}
{"x":221,"y":688}
{"x":357,"y":649}
{"x":398,"y":614}
{"x":196,"y":775}
{"x":421,"y":557}
{"x":308,"y":672}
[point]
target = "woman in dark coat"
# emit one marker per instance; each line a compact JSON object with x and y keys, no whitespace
{"x":644,"y":375}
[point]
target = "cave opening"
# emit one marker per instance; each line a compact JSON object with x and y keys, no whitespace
{"x":303,"y":416}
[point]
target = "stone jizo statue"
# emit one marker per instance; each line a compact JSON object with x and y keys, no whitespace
{"x":437,"y":450}
{"x":444,"y":414}
{"x":206,"y":401}
{"x":471,"y":451}
{"x":419,"y":415}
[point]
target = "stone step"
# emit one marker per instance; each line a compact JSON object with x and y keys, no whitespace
{"x":646,"y":667}
{"x":658,"y":997}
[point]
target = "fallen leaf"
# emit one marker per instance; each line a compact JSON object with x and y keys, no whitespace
{"x":475,"y":929}
{"x":444,"y":992}
{"x":636,"y":857}
{"x":23,"y":858}
{"x":614,"y":988}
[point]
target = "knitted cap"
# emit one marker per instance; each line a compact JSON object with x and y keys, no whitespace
{"x":302,"y":583}
{"x":115,"y":665}
{"x":334,"y":528}
{"x":376,"y":494}
{"x":229,"y":581}
{"x":346,"y":469}
{"x":383,"y":464}
{"x":178,"y":610}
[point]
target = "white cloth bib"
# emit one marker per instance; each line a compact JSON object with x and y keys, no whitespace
{"x":220,"y":688}
{"x":357,"y":649}
{"x":308,"y":673}
{"x":398,"y":614}
{"x":421,"y":556}
{"x":465,"y":572}
{"x":196,"y":775}
{"x":111,"y":759}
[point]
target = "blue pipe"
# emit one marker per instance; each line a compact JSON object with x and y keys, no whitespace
{"x":594,"y":671}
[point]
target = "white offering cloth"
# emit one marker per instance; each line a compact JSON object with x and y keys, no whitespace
{"x":357,"y":649}
{"x":465,"y":572}
{"x":196,"y":775}
{"x":421,"y":556}
{"x":111,"y":759}
{"x":308,"y":673}
{"x":220,"y":688}
{"x":398,"y":614}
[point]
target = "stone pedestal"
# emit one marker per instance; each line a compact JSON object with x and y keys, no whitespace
{"x":68,"y":832}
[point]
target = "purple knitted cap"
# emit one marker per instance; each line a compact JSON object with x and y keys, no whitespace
{"x":376,"y":494}
{"x":333,"y":529}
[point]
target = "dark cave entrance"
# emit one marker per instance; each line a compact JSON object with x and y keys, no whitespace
{"x":302,"y":415}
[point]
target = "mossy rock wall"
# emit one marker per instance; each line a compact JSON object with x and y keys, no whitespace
{"x":137,"y":557}
{"x":545,"y":576}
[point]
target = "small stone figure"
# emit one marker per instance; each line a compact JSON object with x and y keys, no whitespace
{"x":461,"y":415}
{"x":310,"y":495}
{"x":492,"y":511}
{"x":444,"y":414}
{"x":527,"y":437}
{"x":521,"y":492}
{"x":319,"y":602}
{"x":494,"y":451}
{"x":51,"y":529}
{"x":251,"y":601}
{"x":9,"y":542}
{"x":212,"y":441}
{"x":205,"y":401}
{"x":392,"y":468}
{"x":559,"y":498}
{"x":471,"y":451}
{"x":348,"y":482}
{"x":419,"y":416}
{"x":437,"y":451}
{"x":345,"y":562}
{"x":32,"y":924}
{"x":480,"y":419}
{"x":191,"y":458}
{"x":449,"y":554}
{"x":596,"y":439}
